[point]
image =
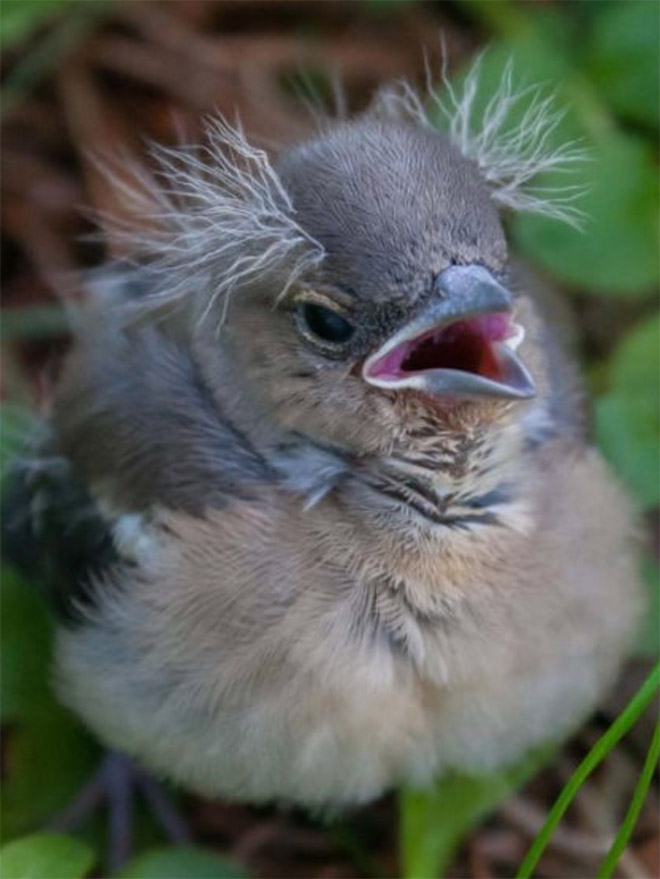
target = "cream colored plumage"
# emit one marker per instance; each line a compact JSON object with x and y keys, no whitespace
{"x":319,"y":581}
{"x":232,"y":663}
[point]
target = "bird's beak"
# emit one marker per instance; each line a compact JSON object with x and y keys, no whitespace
{"x":462,"y":345}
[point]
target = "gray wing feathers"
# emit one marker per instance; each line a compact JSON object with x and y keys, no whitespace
{"x":142,"y":428}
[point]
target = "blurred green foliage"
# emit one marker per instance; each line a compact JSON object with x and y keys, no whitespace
{"x":433,"y":822}
{"x":600,"y":59}
{"x":627,"y":415}
{"x":51,"y":28}
{"x":186,"y":862}
{"x":46,"y":856}
{"x":616,"y":255}
{"x":20,"y":18}
{"x":622,"y":57}
{"x":49,"y":753}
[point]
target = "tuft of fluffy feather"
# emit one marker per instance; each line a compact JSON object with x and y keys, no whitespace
{"x":211,"y":219}
{"x":510,"y":155}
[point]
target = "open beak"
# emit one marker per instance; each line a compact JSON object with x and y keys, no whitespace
{"x":462,"y":345}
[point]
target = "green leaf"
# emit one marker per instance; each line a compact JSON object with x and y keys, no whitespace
{"x":648,"y":642}
{"x":25,"y":649}
{"x":183,"y":862}
{"x":636,"y":362}
{"x":46,"y":856}
{"x":622,"y":58}
{"x":618,"y":252}
{"x":627,"y":433}
{"x":433,"y":823}
{"x":48,"y":760}
{"x":628,"y":416}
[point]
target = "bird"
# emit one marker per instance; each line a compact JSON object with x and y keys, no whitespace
{"x":316,"y":505}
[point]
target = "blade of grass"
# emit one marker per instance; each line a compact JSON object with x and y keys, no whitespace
{"x":639,"y":796}
{"x":603,"y":746}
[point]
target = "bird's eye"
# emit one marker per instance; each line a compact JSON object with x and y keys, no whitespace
{"x":325,"y":324}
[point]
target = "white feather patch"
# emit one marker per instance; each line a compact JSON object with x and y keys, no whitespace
{"x":217,"y":217}
{"x":134,"y":540}
{"x":510,"y":156}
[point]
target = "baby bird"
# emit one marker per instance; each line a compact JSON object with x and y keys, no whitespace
{"x":316,"y":506}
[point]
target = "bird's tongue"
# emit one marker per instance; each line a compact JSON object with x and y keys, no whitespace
{"x":466,"y":345}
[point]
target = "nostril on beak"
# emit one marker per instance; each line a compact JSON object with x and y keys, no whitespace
{"x":439,"y":290}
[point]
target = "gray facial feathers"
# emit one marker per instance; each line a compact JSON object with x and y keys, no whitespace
{"x":392,"y":206}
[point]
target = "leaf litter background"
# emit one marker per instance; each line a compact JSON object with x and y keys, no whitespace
{"x":87,"y":77}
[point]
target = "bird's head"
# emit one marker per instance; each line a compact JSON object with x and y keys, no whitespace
{"x":406,"y":317}
{"x":356,"y":289}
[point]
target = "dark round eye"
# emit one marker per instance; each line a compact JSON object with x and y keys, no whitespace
{"x":326,"y":324}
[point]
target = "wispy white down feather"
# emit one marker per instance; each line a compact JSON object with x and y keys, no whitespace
{"x":213,"y":218}
{"x":510,"y":155}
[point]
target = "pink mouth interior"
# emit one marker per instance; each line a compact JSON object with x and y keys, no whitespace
{"x":466,"y":345}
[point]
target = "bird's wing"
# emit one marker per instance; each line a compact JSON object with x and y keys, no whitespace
{"x":135,"y":428}
{"x":142,"y":427}
{"x":52,"y":530}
